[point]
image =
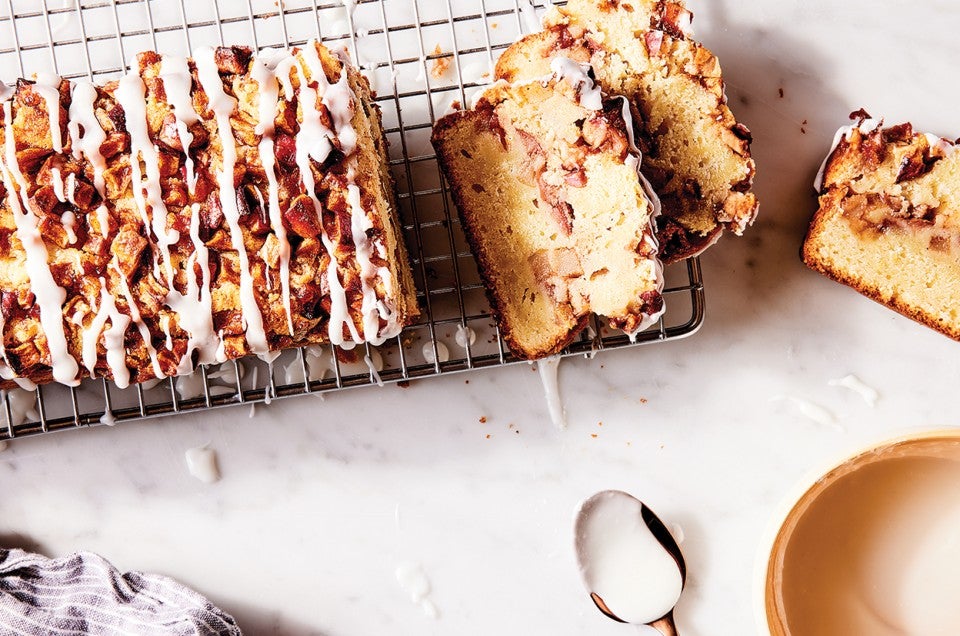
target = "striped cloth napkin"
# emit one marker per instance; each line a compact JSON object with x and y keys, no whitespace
{"x":84,"y":594}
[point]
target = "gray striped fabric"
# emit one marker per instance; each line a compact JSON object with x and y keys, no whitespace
{"x":84,"y":594}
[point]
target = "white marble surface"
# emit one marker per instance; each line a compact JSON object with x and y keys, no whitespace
{"x":321,"y":501}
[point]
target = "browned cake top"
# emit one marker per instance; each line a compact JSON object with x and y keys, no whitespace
{"x":888,"y":224}
{"x":893,"y":178}
{"x":192,"y":212}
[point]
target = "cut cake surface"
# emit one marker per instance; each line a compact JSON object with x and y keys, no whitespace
{"x":695,"y":154}
{"x":547,"y":187}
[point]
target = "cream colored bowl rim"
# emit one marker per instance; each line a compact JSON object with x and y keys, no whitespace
{"x":809,"y":481}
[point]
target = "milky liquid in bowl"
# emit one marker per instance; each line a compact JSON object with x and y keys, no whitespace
{"x":873,"y":547}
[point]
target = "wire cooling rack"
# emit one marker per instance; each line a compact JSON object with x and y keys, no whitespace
{"x":420,"y":56}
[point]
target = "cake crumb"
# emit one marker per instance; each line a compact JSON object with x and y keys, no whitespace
{"x":440,"y":65}
{"x":488,"y":435}
{"x":599,"y":423}
{"x":643,"y":400}
{"x":593,"y":435}
{"x":483,"y":420}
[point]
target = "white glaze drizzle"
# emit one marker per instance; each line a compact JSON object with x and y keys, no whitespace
{"x":71,"y":188}
{"x":68,"y":219}
{"x":576,"y":75}
{"x":165,"y":328}
{"x":50,"y":296}
{"x":112,"y":338}
{"x":465,"y":336}
{"x":433,"y":356}
{"x":57,"y":182}
{"x":844,"y":133}
{"x":65,"y":194}
{"x":944,"y":147}
{"x":177,"y":82}
{"x":265,"y":74}
{"x":137,"y":320}
{"x":338,"y":98}
{"x":48,"y":87}
{"x":131,"y":95}
{"x":223,"y":106}
{"x":194,"y":309}
{"x":549,"y":371}
{"x":359,"y":224}
{"x":313,"y":143}
{"x":88,"y":143}
{"x":531,"y":22}
{"x":6,"y":92}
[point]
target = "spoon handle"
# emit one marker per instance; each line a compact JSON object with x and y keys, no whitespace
{"x":665,"y":625}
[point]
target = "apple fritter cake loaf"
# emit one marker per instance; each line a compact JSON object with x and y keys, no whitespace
{"x":695,"y":154}
{"x":545,"y":177}
{"x":192,"y":212}
{"x":888,"y":224}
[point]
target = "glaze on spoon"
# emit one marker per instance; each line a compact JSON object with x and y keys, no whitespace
{"x":629,"y":562}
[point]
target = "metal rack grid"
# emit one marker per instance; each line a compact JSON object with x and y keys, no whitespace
{"x":421,"y":56}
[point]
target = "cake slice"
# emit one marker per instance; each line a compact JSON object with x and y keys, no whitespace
{"x":888,"y":224}
{"x":695,"y":153}
{"x":192,"y":212}
{"x":545,"y":177}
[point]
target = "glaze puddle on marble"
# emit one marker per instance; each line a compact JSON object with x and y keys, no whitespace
{"x":415,"y":583}
{"x":202,"y":464}
{"x":852,"y":382}
{"x":810,"y":410}
{"x":630,"y":574}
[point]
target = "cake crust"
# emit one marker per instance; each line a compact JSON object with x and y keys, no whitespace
{"x":195,"y":211}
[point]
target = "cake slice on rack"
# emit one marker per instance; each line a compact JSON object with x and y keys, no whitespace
{"x":695,"y":153}
{"x":192,"y":212}
{"x":545,"y":177}
{"x":889,"y":220}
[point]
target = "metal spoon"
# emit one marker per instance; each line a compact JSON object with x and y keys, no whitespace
{"x":620,"y":544}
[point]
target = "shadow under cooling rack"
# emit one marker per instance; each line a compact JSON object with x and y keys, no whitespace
{"x":420,"y":56}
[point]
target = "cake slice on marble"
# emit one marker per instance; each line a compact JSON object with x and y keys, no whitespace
{"x":888,"y":224}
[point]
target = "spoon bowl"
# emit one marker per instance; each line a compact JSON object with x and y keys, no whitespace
{"x":630,"y":563}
